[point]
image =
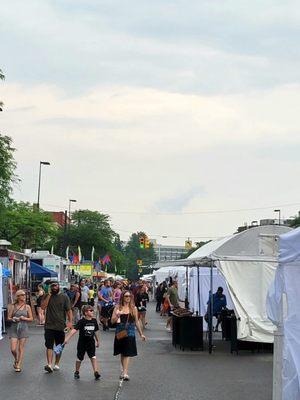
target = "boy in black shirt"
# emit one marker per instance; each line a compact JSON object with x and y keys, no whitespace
{"x":87,"y":327}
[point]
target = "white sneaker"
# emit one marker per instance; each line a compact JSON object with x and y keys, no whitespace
{"x":56,"y":368}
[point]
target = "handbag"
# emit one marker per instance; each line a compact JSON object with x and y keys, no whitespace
{"x":123,"y":333}
{"x":8,"y":323}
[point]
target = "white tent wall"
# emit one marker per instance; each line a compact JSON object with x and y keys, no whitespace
{"x":177,"y":273}
{"x":286,"y":287}
{"x":204,"y":288}
{"x":248,"y":283}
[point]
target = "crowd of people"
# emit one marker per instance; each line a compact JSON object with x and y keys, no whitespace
{"x":82,"y":308}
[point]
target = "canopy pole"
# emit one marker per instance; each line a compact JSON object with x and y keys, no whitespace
{"x":198,"y":288}
{"x":187,"y":288}
{"x":210,"y":314}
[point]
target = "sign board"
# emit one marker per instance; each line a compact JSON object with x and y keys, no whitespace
{"x":85,"y":269}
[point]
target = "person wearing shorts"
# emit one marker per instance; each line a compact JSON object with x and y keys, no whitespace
{"x":58,"y":308}
{"x":88,"y":340}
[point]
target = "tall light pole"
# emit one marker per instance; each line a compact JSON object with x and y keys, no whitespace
{"x":39,"y":187}
{"x":71,"y":201}
{"x":279,"y":215}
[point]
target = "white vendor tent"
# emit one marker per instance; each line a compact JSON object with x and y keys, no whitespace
{"x":248,"y":262}
{"x":283,"y":309}
{"x":199,"y":288}
{"x":177,"y":273}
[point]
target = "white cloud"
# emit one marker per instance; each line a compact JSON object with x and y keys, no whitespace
{"x":134,"y":104}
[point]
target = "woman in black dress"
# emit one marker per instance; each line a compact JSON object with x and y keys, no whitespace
{"x":125,"y":315}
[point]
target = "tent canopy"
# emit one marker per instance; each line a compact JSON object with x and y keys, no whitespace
{"x":41,"y":272}
{"x":248,"y":262}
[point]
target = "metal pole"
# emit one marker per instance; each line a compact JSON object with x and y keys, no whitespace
{"x":210,"y":318}
{"x":39,"y":187}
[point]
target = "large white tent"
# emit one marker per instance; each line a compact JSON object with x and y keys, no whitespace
{"x":283,"y":309}
{"x":248,"y":261}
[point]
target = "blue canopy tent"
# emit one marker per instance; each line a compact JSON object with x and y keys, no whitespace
{"x":39,"y":272}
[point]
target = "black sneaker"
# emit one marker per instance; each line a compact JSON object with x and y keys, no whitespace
{"x":48,"y":368}
{"x":76,"y":375}
{"x":97,"y":376}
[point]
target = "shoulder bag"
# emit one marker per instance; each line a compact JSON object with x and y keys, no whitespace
{"x":123,"y":333}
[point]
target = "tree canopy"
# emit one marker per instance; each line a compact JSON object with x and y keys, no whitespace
{"x":7,"y":169}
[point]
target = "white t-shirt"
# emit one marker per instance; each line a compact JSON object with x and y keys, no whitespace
{"x":84,"y":294}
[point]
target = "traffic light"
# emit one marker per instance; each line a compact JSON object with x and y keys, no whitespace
{"x":147,"y":243}
{"x":142,"y":242}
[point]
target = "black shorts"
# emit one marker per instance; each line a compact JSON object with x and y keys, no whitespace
{"x":106,"y":311}
{"x":52,"y":336}
{"x":86,"y":347}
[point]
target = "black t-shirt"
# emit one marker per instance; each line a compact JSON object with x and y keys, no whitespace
{"x":87,"y":328}
{"x":141,"y":297}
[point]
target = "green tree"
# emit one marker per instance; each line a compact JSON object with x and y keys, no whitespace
{"x":7,"y":169}
{"x":26,"y":228}
{"x":92,"y":229}
{"x":133,"y":252}
{"x":196,"y":247}
{"x":295,"y":223}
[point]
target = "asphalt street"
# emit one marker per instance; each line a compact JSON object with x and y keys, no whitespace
{"x":159,"y":372}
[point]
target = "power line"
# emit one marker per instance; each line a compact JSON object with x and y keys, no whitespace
{"x":188,"y":212}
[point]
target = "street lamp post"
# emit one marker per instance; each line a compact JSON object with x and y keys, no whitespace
{"x":71,"y":201}
{"x":39,"y":187}
{"x":279,"y":215}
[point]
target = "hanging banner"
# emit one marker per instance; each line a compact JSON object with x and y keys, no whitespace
{"x":85,"y":269}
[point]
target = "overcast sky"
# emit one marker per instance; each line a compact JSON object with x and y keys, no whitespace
{"x":178,"y":118}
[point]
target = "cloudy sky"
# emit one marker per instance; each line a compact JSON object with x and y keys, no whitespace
{"x":178,"y":118}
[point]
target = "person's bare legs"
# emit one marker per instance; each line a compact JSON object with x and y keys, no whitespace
{"x":125,"y":364}
{"x":77,"y":365}
{"x":57,"y":358}
{"x":13,"y":349}
{"x":49,"y":354}
{"x":21,"y":347}
{"x":94,"y":364}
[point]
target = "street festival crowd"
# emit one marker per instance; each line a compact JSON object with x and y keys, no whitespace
{"x":120,"y":305}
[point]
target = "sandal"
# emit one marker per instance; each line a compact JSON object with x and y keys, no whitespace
{"x":15,"y":364}
{"x":17,"y":369}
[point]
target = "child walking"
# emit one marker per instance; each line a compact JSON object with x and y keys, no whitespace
{"x":88,"y":340}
